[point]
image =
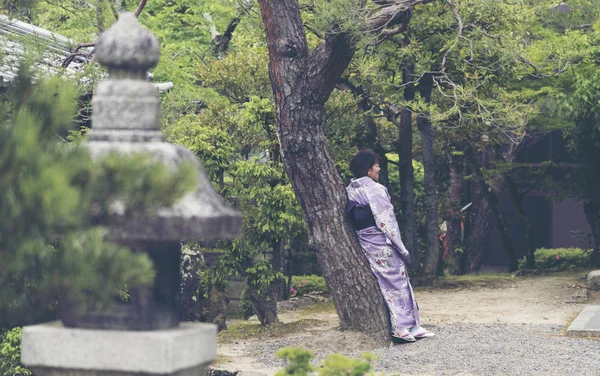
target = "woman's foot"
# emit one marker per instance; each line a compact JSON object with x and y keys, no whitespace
{"x":402,"y":336}
{"x":420,"y":332}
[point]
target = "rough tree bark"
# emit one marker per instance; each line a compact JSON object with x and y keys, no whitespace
{"x":592,"y":213}
{"x":302,"y":82}
{"x":432,"y":253}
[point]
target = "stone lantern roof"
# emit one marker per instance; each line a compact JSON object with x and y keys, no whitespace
{"x":126,"y":119}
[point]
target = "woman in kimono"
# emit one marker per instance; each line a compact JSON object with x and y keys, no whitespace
{"x":372,"y":215}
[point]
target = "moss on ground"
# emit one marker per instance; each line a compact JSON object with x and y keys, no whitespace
{"x":246,"y":330}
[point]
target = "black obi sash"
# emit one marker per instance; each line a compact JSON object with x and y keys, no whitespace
{"x":361,"y":217}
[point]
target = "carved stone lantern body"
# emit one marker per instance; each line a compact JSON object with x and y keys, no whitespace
{"x":126,"y":120}
{"x":124,"y":340}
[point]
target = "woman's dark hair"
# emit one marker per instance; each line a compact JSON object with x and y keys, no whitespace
{"x":362,"y":162}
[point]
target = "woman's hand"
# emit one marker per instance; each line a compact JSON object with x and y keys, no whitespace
{"x":406,"y":259}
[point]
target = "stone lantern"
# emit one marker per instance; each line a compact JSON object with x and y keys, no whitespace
{"x":144,"y":336}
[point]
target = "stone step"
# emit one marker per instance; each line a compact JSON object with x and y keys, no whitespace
{"x":587,"y":323}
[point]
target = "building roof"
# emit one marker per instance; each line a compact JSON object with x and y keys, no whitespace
{"x":54,"y":49}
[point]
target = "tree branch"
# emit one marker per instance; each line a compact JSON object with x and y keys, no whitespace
{"x":536,"y":73}
{"x":460,"y":33}
{"x":397,"y":30}
{"x":584,"y":26}
{"x":326,"y":63}
{"x":140,"y":7}
{"x":75,"y":53}
{"x":221,"y":42}
{"x":329,"y":60}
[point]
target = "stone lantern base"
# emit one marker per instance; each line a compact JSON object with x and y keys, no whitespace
{"x":53,"y":350}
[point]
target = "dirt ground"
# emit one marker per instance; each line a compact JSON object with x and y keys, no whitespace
{"x":555,"y":299}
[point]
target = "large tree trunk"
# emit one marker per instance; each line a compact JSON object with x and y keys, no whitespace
{"x":454,"y":240}
{"x":404,"y":146}
{"x":592,"y":213}
{"x":302,"y":83}
{"x":432,"y":253}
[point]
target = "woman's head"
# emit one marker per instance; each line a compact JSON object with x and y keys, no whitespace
{"x":365,"y":163}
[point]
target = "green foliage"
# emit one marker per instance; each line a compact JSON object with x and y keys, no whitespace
{"x":471,"y":97}
{"x":339,"y":365}
{"x":344,"y":129}
{"x":304,"y":284}
{"x":233,"y":134}
{"x":240,"y":74}
{"x":580,"y":104}
{"x":54,"y":197}
{"x":560,"y":258}
{"x":335,"y":364}
{"x":298,"y":361}
{"x":185,"y":30}
{"x":10,"y":354}
{"x":334,"y":17}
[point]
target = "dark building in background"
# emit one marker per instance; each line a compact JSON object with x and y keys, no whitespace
{"x":554,"y":223}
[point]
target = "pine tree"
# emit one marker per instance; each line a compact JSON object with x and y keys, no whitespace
{"x":54,"y":197}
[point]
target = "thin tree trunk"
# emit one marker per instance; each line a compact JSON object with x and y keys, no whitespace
{"x":404,"y":147}
{"x":302,"y":82}
{"x":264,"y":302}
{"x":453,"y":235}
{"x":277,"y":264}
{"x":517,"y":199}
{"x":432,"y":253}
{"x":492,"y":198}
{"x":592,"y":213}
{"x":479,"y":237}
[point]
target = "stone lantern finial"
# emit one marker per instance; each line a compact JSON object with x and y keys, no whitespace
{"x":126,"y":107}
{"x":128,"y":47}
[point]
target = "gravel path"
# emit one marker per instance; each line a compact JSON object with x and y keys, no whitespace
{"x":477,"y":349}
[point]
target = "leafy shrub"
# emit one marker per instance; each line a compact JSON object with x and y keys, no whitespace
{"x":561,"y":258}
{"x":335,"y":364}
{"x":304,"y":284}
{"x":10,"y":354}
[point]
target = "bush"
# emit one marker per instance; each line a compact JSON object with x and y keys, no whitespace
{"x":304,"y":284}
{"x":561,"y":258}
{"x":335,"y":364}
{"x":10,"y":354}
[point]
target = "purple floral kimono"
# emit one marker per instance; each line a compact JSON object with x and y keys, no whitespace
{"x":384,"y":249}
